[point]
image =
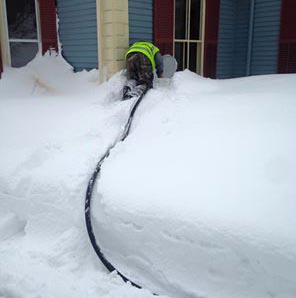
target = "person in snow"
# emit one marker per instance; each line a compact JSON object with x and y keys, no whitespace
{"x":142,"y":58}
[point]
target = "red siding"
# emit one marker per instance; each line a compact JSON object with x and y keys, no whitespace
{"x":163,"y":25}
{"x":287,"y":44}
{"x":1,"y":65}
{"x":211,"y":37}
{"x":48,"y":25}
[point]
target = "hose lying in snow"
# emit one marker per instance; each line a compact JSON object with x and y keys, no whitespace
{"x":89,"y":193}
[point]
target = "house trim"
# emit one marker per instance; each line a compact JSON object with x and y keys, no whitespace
{"x":212,"y":16}
{"x":4,"y":34}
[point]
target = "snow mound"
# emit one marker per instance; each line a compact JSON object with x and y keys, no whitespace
{"x":199,"y":201}
{"x":54,"y":126}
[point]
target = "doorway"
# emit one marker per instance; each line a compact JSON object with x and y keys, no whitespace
{"x":22,"y":31}
{"x":188,"y":34}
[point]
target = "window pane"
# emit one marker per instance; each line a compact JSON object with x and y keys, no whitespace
{"x":193,"y":56}
{"x":194,"y":19}
{"x":22,"y":52}
{"x":21,"y":19}
{"x":181,"y":55}
{"x":180,"y":19}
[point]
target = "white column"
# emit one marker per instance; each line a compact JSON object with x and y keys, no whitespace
{"x":113,"y":36}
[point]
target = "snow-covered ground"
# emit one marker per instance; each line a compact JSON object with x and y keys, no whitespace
{"x":199,"y":201}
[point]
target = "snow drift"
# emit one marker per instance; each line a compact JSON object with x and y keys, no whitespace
{"x":54,"y":125}
{"x":199,"y":201}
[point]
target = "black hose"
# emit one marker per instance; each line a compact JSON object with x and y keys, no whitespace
{"x":89,"y":193}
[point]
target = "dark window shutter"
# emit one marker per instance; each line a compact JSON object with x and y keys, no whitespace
{"x":287,"y":43}
{"x":47,"y":10}
{"x":163,"y":25}
{"x":1,"y":64}
{"x":211,"y":37}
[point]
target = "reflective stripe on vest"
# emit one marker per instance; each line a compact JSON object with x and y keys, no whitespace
{"x":146,"y":48}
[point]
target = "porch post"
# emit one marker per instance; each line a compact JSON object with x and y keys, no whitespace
{"x":113,"y":36}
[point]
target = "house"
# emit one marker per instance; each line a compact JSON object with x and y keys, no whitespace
{"x":215,"y":38}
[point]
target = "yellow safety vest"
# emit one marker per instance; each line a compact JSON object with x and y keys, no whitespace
{"x":146,"y":48}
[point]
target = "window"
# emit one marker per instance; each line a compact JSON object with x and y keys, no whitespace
{"x":188,"y":40}
{"x":22,"y":31}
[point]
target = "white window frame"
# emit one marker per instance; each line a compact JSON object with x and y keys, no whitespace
{"x":198,"y":42}
{"x":8,"y":40}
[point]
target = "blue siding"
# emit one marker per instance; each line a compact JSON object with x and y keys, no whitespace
{"x":78,"y":33}
{"x":234,"y":32}
{"x":226,"y":39}
{"x":233,"y":38}
{"x":140,"y":20}
{"x":265,"y":37}
{"x":241,"y":38}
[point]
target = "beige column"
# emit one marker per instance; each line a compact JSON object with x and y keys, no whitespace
{"x":113,"y":36}
{"x":3,"y":34}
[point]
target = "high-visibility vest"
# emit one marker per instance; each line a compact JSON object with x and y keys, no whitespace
{"x":146,"y":48}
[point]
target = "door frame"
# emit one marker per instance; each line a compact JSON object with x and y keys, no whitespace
{"x":199,"y":42}
{"x":37,"y":13}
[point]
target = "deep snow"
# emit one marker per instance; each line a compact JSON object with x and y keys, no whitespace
{"x":198,"y":201}
{"x":54,"y":126}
